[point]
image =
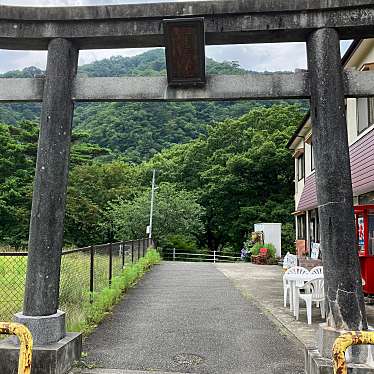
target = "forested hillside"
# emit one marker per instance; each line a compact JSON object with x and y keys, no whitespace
{"x":221,"y":166}
{"x":18,"y":146}
{"x":138,"y":130}
{"x":241,"y":174}
{"x":211,"y":189}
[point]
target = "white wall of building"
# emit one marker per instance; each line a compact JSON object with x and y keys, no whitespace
{"x":272,"y":234}
{"x":352,"y":120}
{"x":363,"y":55}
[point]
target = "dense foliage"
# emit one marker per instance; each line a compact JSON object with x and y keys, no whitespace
{"x":176,"y":213}
{"x":92,"y":186}
{"x":17,"y":158}
{"x":18,"y":146}
{"x":221,"y":167}
{"x":138,"y":130}
{"x":242,"y":173}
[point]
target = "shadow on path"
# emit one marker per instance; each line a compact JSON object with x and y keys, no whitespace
{"x":188,"y":317}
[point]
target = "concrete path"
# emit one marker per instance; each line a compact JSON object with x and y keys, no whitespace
{"x":189,"y":318}
{"x":269,"y":297}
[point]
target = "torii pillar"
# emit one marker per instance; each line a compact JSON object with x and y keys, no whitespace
{"x":54,"y":351}
{"x":344,"y":296}
{"x":51,"y":178}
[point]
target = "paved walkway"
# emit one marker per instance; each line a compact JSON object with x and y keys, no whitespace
{"x":264,"y":286}
{"x":189,"y":318}
{"x":269,"y":297}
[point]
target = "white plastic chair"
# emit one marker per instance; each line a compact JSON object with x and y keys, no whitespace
{"x":286,"y":285}
{"x":318,"y":271}
{"x":313,"y":291}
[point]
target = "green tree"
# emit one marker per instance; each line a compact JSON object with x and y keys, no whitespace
{"x":18,"y":149}
{"x":17,"y":160}
{"x":241,"y":172}
{"x":92,"y":187}
{"x":176,"y":212}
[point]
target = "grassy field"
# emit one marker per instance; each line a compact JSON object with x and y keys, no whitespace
{"x":12,"y":280}
{"x":81,"y":315}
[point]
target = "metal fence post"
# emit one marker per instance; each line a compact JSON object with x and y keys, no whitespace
{"x":110,"y":263}
{"x":132,"y":251}
{"x":138,"y":248}
{"x":144,"y":249}
{"x":214,"y":256}
{"x":123,"y":255}
{"x":92,"y":258}
{"x":173,"y":254}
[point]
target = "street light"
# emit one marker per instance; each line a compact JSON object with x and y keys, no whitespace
{"x":154,"y":188}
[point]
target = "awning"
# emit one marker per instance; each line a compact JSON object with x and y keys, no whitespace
{"x":298,"y":213}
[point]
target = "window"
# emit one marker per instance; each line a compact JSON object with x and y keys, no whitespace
{"x":365,"y":107}
{"x":365,"y":113}
{"x":301,"y":227}
{"x":314,"y":227}
{"x":311,"y":157}
{"x":300,"y":167}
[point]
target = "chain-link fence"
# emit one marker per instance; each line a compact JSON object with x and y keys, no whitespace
{"x":12,"y":282}
{"x":84,"y":273}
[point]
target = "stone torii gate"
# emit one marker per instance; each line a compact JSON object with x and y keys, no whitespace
{"x":64,"y":31}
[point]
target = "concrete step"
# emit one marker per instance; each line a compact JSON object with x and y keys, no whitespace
{"x":315,"y":364}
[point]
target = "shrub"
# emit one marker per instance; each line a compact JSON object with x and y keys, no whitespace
{"x":180,"y":242}
{"x":255,"y":249}
{"x":229,"y":250}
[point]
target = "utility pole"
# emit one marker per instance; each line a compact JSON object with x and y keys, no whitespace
{"x":152,"y":202}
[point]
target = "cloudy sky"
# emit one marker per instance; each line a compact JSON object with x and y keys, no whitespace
{"x":259,"y":57}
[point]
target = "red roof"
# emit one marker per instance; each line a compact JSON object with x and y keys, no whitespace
{"x":362,"y":171}
{"x":308,"y":199}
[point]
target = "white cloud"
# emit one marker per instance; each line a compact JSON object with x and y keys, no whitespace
{"x":263,"y":57}
{"x":13,"y":60}
{"x":259,"y":57}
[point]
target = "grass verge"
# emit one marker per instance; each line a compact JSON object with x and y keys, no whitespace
{"x":92,"y":314}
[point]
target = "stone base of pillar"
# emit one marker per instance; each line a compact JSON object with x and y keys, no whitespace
{"x":44,"y":329}
{"x":55,"y":358}
{"x":318,"y":360}
{"x":54,"y":351}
